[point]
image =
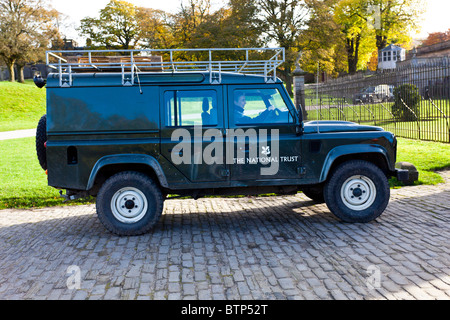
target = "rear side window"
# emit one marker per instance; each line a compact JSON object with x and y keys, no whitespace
{"x":189,"y":108}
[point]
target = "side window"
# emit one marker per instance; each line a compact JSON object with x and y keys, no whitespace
{"x":253,"y":106}
{"x":189,"y":108}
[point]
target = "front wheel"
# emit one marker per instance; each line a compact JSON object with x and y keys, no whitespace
{"x":129,"y":203}
{"x":358,"y":191}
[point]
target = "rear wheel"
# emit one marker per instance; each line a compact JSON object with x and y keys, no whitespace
{"x":129,"y":203}
{"x":358,"y":191}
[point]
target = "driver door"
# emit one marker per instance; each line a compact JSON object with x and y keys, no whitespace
{"x":262,"y":144}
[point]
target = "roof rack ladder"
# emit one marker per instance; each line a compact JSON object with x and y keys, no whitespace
{"x":127,"y":81}
{"x":215,"y":77}
{"x":268,"y":68}
{"x":212,"y":78}
{"x":65,"y":82}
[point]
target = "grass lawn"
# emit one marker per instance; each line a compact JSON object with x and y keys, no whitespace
{"x":23,"y":184}
{"x":426,"y":156}
{"x":21,"y":105}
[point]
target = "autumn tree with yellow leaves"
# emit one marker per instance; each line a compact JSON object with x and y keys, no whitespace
{"x":26,"y":29}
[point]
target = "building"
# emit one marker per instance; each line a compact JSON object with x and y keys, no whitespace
{"x":428,"y":68}
{"x":436,"y":50}
{"x":437,"y":55}
{"x":389,"y":56}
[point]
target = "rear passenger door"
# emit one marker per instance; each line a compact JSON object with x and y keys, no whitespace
{"x":192,"y":129}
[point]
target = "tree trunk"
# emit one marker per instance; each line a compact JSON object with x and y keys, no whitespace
{"x":10,"y":65}
{"x":352,"y":63}
{"x":352,"y":46}
{"x":20,"y":68}
{"x":288,"y":80}
{"x":350,"y":56}
{"x":381,"y":41}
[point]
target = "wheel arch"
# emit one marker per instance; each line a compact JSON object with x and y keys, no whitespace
{"x":372,"y":153}
{"x":107,"y":166}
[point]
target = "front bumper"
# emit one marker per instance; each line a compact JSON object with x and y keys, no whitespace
{"x":406,"y":175}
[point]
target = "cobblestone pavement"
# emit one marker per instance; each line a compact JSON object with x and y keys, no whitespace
{"x":221,"y":248}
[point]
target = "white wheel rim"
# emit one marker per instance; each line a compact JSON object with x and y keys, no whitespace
{"x":358,"y":193}
{"x":129,"y":205}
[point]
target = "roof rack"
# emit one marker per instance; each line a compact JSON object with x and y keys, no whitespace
{"x":130,"y":63}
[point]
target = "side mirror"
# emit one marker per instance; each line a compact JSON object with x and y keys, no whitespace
{"x":39,"y":81}
{"x":299,"y":120}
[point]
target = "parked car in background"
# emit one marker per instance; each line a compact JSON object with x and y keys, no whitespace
{"x":372,"y":94}
{"x":391,"y":94}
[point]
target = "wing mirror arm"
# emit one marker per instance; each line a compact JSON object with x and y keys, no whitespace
{"x":299,"y":121}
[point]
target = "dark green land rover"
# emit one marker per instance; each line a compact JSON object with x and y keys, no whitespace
{"x":130,"y":127}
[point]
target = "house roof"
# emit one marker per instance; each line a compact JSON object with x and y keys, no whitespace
{"x":392,"y":47}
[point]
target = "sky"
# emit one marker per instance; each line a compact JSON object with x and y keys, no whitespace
{"x":435,"y":18}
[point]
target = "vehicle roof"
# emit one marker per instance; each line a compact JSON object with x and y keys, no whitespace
{"x":111,"y":79}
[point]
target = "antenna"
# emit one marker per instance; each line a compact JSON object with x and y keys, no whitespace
{"x":137,"y":75}
{"x":317,"y":93}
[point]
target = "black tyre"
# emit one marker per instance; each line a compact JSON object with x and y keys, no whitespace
{"x":41,"y":139}
{"x":314,"y":193}
{"x":358,"y":191}
{"x":129,"y":203}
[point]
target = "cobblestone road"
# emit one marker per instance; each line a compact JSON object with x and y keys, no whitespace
{"x":244,"y":248}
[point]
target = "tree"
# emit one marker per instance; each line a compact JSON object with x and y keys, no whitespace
{"x":116,"y":27}
{"x":365,"y":26}
{"x":36,"y":52}
{"x":436,"y":37}
{"x":189,"y":18}
{"x":406,"y":103}
{"x":26,"y":27}
{"x":281,"y":22}
{"x":351,"y":15}
{"x":156,"y":28}
{"x":321,"y":42}
{"x":393,"y":19}
{"x":377,"y":23}
{"x":233,"y":26}
{"x":194,"y":26}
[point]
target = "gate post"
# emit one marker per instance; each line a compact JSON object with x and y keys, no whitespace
{"x":299,"y":88}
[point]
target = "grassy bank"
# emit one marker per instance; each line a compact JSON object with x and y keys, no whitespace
{"x":23,"y":184}
{"x":21,"y":105}
{"x":428,"y":157}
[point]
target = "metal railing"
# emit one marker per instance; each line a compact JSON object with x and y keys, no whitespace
{"x":254,"y":61}
{"x":412,"y":101}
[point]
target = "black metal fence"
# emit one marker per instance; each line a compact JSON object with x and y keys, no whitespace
{"x":412,"y":101}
